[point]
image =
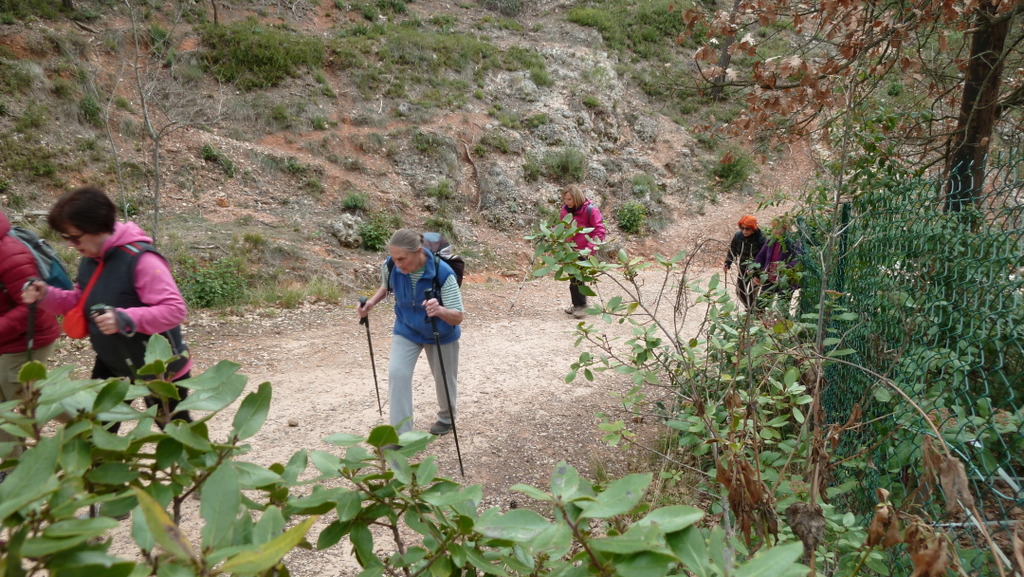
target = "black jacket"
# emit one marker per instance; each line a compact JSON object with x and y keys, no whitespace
{"x":743,"y":249}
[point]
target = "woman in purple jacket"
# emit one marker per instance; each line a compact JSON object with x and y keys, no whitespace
{"x":585,"y":214}
{"x":779,"y":260}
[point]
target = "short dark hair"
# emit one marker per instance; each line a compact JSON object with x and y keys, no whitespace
{"x":86,"y":208}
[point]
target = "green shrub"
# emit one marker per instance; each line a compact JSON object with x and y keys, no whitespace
{"x":36,"y":116}
{"x":591,"y":101}
{"x":441,"y":225}
{"x":211,"y":154}
{"x":442,"y":191}
{"x":91,"y":110}
{"x":734,"y":167}
{"x":632,"y":217}
{"x":567,"y":165}
{"x":252,"y":55}
{"x":354,"y":201}
{"x":536,"y":120}
{"x":428,"y":142}
{"x":498,"y":141}
{"x":540,"y":76}
{"x":14,"y":77}
{"x":510,"y":8}
{"x":532,"y":168}
{"x":377,"y":231}
{"x":319,"y":122}
{"x":218,"y":283}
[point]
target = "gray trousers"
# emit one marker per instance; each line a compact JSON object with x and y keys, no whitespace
{"x":404,"y":354}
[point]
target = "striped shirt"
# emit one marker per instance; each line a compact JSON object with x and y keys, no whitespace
{"x":451,"y":295}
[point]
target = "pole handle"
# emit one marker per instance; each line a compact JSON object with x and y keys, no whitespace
{"x":364,"y":320}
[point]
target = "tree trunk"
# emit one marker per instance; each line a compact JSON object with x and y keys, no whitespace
{"x":965,"y":163}
{"x":724,"y":57}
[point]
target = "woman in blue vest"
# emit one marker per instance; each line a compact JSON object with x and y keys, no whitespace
{"x":119,"y":269}
{"x":416,"y":271}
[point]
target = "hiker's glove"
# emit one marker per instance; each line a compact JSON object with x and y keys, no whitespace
{"x":125,"y":324}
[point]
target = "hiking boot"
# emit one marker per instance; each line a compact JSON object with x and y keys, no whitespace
{"x":440,"y":428}
{"x":576,"y":312}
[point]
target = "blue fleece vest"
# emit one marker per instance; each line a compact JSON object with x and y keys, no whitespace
{"x":410,"y":316}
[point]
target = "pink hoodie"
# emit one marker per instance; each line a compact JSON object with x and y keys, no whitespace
{"x":164,"y":306}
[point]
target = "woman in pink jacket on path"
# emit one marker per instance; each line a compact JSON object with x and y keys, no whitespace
{"x":585,"y":214}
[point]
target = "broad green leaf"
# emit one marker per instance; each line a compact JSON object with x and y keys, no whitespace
{"x":449,"y":494}
{"x":326,"y":463}
{"x":66,"y":534}
{"x":215,"y":389}
{"x":382,"y":435}
{"x":426,"y":472}
{"x":32,"y":479}
{"x":270,"y":525}
{"x":332,"y":534}
{"x":319,"y":498}
{"x":345,"y":439}
{"x":107,"y":441}
{"x":778,"y":561}
{"x":89,"y":563}
{"x":296,"y":466}
{"x":162,"y":388}
{"x":168,"y":535}
{"x":110,"y":395}
{"x":565,"y":481}
{"x":268,"y":554}
{"x":183,"y":433}
{"x":362,"y":544}
{"x":31,"y":372}
{"x":252,"y":413}
{"x":689,"y":546}
{"x":517,"y":525}
{"x":619,"y":498}
{"x":484,"y":565}
{"x":555,"y":541}
{"x":673,"y":518}
{"x":532,"y":492}
{"x":252,"y":476}
{"x":219,"y":506}
{"x":158,"y":349}
{"x":637,"y":539}
{"x":112,"y":474}
{"x":349,"y":505}
{"x":644,"y":564}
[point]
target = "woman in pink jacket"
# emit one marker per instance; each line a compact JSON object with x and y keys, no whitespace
{"x":125,"y":289}
{"x":585,"y":214}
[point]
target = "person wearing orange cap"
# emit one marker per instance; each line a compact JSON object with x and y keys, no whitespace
{"x":745,"y":245}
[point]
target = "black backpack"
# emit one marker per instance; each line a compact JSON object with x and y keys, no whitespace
{"x":442,"y":249}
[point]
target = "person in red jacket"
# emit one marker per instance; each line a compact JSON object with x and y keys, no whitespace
{"x":17,"y":266}
{"x":585,"y":214}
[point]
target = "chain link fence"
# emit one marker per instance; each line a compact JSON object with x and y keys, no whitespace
{"x":939,"y":304}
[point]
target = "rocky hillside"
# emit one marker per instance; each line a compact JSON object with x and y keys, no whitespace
{"x":462,"y":117}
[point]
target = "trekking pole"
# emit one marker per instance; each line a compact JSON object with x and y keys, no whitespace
{"x":31,"y":329}
{"x":444,"y":378}
{"x":366,"y":321}
{"x":515,"y":299}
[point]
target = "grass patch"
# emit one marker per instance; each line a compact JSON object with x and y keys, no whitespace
{"x":252,"y":55}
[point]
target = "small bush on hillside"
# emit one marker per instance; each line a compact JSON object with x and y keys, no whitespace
{"x":532,"y":168}
{"x":377,"y":231}
{"x":632,"y":217}
{"x":218,"y":283}
{"x":567,"y":165}
{"x":734,"y":167}
{"x":91,"y":111}
{"x":252,"y":55}
{"x":510,"y":8}
{"x":441,"y":225}
{"x":354,"y":201}
{"x":211,"y":154}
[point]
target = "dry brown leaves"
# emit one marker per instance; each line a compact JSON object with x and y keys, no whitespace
{"x":884,"y":529}
{"x":749,"y":499}
{"x":951,"y":477}
{"x":808,"y":523}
